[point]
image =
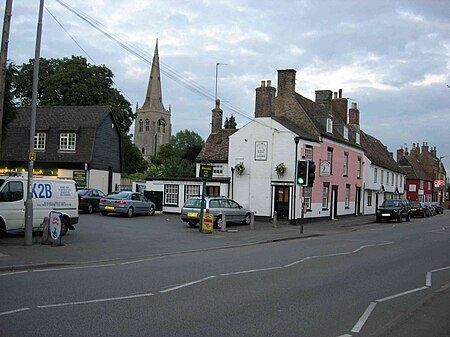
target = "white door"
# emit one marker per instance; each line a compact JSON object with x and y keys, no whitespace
{"x":12,"y":205}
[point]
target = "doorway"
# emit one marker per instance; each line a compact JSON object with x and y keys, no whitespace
{"x":334,"y":202}
{"x":281,"y":201}
{"x":358,"y":201}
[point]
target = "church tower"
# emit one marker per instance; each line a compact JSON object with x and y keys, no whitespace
{"x":153,"y":126}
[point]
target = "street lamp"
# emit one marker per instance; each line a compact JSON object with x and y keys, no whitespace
{"x":217,"y":72}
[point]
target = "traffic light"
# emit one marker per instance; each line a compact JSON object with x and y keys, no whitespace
{"x":302,"y":172}
{"x":311,"y":173}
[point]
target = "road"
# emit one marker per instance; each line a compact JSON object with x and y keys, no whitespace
{"x":348,"y":284}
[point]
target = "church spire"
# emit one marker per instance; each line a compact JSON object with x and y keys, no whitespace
{"x":153,"y":99}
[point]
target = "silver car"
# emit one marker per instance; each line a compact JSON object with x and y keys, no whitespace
{"x":217,"y":206}
{"x":127,"y":203}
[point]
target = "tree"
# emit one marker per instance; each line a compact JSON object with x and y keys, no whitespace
{"x":230,"y":123}
{"x":9,"y":113}
{"x":132,"y":157}
{"x":73,"y":82}
{"x":177,"y":158}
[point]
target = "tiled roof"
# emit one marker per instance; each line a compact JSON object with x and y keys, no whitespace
{"x":377,"y":153}
{"x":318,"y":116}
{"x":84,"y":120}
{"x":414,"y":171}
{"x":215,"y":149}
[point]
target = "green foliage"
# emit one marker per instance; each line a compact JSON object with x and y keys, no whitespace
{"x":9,"y":113}
{"x":133,"y":160}
{"x":177,"y":159}
{"x":230,"y":123}
{"x":73,"y":82}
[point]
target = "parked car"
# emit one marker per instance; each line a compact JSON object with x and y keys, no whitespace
{"x":396,"y":209}
{"x":431,"y":208}
{"x":419,"y":209}
{"x":127,"y":203}
{"x":89,"y":199}
{"x":438,"y":207}
{"x":217,"y":206}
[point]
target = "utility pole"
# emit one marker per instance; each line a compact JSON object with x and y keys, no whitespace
{"x":31,"y":153}
{"x":3,"y":59}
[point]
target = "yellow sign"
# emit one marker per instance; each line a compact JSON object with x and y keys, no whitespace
{"x":32,"y":156}
{"x":207,"y":223}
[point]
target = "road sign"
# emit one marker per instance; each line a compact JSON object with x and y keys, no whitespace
{"x":80,"y":178}
{"x":32,"y":156}
{"x":55,"y":225}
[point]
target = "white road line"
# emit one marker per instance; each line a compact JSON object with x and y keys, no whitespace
{"x":94,"y":301}
{"x":297,"y":262}
{"x":186,"y":285}
{"x":13,"y":311}
{"x":401,"y":294}
{"x":440,"y":269}
{"x":14,"y":273}
{"x":144,"y":260}
{"x":73,"y":268}
{"x":362,"y":320}
{"x":428,"y":280}
{"x":346,"y":335}
{"x":250,"y":271}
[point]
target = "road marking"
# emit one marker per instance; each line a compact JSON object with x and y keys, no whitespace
{"x":250,"y":271}
{"x":144,"y":260}
{"x":14,"y":273}
{"x":73,"y":268}
{"x":13,"y":311}
{"x":94,"y":301}
{"x":365,"y":316}
{"x":401,"y":294}
{"x":299,"y":261}
{"x":346,"y":335}
{"x":428,"y":280}
{"x":186,"y":285}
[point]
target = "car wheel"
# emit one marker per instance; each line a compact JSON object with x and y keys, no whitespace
{"x":219,"y":222}
{"x":192,"y":223}
{"x":90,"y":209}
{"x":64,"y":226}
{"x":2,"y":229}
{"x":104,"y":213}
{"x":130,"y":212}
{"x":378,"y":219}
{"x":151,"y":211}
{"x":408,"y":217}
{"x":399,"y":219}
{"x":248,"y":219}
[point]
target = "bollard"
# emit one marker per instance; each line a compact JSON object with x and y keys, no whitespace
{"x":252,"y":220}
{"x":45,"y":237}
{"x":275,"y":220}
{"x":224,"y":223}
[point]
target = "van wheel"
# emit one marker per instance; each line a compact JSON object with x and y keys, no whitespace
{"x":64,"y":226}
{"x":2,"y":229}
{"x":90,"y":209}
{"x":130,"y":212}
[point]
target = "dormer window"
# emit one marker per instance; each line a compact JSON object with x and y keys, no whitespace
{"x":329,"y":125}
{"x":357,"y":138}
{"x":345,"y":132}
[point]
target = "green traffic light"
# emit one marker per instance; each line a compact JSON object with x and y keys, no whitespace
{"x":300,"y":180}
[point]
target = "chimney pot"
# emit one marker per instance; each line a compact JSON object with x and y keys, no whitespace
{"x":335,"y":95}
{"x":263,"y":84}
{"x":269,"y":83}
{"x":340,"y":93}
{"x":354,"y":105}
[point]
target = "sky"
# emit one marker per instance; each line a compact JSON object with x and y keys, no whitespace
{"x":391,"y":57}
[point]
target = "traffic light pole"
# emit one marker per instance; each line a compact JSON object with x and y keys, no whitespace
{"x":294,"y":218}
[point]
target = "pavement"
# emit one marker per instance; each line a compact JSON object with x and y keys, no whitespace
{"x":431,"y":314}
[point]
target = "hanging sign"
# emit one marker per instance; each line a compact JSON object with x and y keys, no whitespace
{"x":206,"y":171}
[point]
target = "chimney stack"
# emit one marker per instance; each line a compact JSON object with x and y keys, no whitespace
{"x":424,"y":147}
{"x":264,"y":101}
{"x":353,"y":115}
{"x":324,"y":97}
{"x":286,"y":82}
{"x":340,"y":106}
{"x":217,"y":117}
{"x":434,"y":152}
{"x":400,"y":153}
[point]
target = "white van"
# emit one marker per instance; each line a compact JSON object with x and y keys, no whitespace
{"x":48,"y":195}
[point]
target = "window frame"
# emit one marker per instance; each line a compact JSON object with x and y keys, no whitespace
{"x":345,"y":132}
{"x":329,"y":125}
{"x":375,"y":175}
{"x":358,"y":168}
{"x":40,"y":140}
{"x":171,"y":197}
{"x":345,"y":164}
{"x":188,"y":193}
{"x":69,"y":139}
{"x":325,"y":196}
{"x":347,"y":196}
{"x":307,"y":196}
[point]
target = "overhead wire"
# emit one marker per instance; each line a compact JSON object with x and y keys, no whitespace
{"x":165,"y":69}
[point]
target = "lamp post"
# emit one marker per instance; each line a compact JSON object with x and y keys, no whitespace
{"x":217,"y":73}
{"x":294,"y":218}
{"x":232,"y":182}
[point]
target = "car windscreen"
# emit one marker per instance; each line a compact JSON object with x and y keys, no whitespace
{"x":82,"y":192}
{"x":120,"y":195}
{"x":416,"y":204}
{"x":391,"y":203}
{"x":193,"y":203}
